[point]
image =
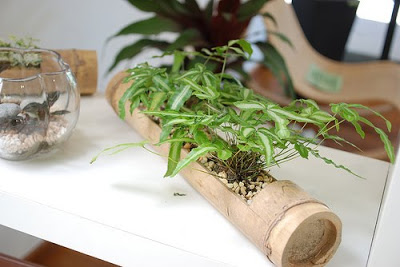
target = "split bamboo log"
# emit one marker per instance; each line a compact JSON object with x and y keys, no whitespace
{"x":284,"y":222}
{"x":83,"y":64}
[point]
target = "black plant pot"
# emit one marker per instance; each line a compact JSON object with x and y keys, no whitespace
{"x":326,"y":24}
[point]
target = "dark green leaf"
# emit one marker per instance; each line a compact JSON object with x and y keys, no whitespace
{"x":250,"y":8}
{"x":276,"y":63}
{"x":132,"y":50}
{"x":145,"y":5}
{"x":154,"y":25}
{"x":271,"y":17}
{"x":282,"y":37}
{"x":185,"y":38}
{"x":208,"y":11}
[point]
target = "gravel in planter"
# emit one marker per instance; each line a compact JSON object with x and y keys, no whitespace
{"x":245,"y":188}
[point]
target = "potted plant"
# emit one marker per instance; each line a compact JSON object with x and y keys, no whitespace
{"x":223,"y":138}
{"x":203,"y":28}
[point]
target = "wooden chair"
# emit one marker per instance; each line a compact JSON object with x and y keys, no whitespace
{"x":375,"y":84}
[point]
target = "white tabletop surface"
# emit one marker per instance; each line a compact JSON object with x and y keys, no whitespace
{"x":121,"y":210}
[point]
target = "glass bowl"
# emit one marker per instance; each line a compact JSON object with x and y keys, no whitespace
{"x":39,"y":102}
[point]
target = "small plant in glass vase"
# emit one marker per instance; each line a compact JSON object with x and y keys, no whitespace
{"x":11,"y":59}
{"x":224,"y":138}
{"x":203,"y":28}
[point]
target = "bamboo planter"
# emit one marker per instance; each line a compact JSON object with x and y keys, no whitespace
{"x":284,"y":222}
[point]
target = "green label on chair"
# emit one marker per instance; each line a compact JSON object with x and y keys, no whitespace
{"x":324,"y":81}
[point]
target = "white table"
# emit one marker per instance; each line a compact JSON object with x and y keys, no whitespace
{"x":121,"y":210}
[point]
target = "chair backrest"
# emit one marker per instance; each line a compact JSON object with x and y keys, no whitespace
{"x":359,"y":82}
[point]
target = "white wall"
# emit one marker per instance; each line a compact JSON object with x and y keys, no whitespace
{"x":59,"y":24}
{"x":86,"y":24}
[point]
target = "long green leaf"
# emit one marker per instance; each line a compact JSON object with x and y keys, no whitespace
{"x":157,"y":99}
{"x":208,"y":10}
{"x":193,"y":156}
{"x":331,"y":162}
{"x":271,"y":17}
{"x":283,"y":37}
{"x":174,"y":154}
{"x":153,"y":25}
{"x":249,"y":105}
{"x":250,"y":8}
{"x":134,"y":49}
{"x":130,"y":93}
{"x":276,"y":63}
{"x":267,"y":144}
{"x":187,"y":37}
{"x":384,"y":138}
{"x":118,"y":148}
{"x":145,"y":5}
{"x":179,"y":98}
{"x":388,"y":123}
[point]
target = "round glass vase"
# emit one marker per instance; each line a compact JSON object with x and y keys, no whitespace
{"x":39,"y":102}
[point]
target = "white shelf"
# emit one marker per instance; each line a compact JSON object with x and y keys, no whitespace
{"x":121,"y":210}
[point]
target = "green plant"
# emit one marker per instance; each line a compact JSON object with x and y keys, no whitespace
{"x":217,"y":115}
{"x":11,"y":59}
{"x":214,"y":25}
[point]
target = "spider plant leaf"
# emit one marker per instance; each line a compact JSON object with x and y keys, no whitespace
{"x":322,"y":116}
{"x":118,"y":148}
{"x":384,"y":138}
{"x":359,"y":129}
{"x":135,"y":102}
{"x":349,"y":114}
{"x":250,"y":8}
{"x":179,"y":57}
{"x":130,"y":93}
{"x":187,"y":37}
{"x":244,"y":47}
{"x":249,"y":105}
{"x":161,"y":83}
{"x":388,"y":123}
{"x":165,"y":132}
{"x":316,"y":154}
{"x":200,"y":137}
{"x":174,"y":154}
{"x":134,"y":49}
{"x":178,"y":99}
{"x":294,"y":116}
{"x":145,"y":5}
{"x":157,"y":99}
{"x":247,"y":131}
{"x":153,"y":25}
{"x":268,"y":148}
{"x":303,"y":151}
{"x":387,"y":144}
{"x":194,"y":155}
